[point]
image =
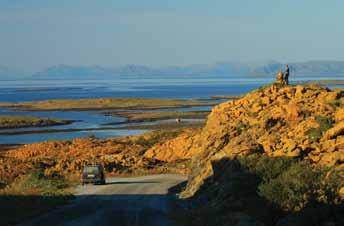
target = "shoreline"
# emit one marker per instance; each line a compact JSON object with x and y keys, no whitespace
{"x":20,"y":109}
{"x":18,"y":122}
{"x":102,"y":104}
{"x":8,"y":147}
{"x":141,"y":117}
{"x":129,"y":127}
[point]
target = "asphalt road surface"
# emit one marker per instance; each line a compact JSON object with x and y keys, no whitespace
{"x":131,"y":201}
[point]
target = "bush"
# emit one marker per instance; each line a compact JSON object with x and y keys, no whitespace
{"x":32,"y":195}
{"x":292,"y":189}
{"x":335,"y":103}
{"x":324,"y":123}
{"x":38,"y":183}
{"x":314,"y":134}
{"x":241,"y":127}
{"x":291,"y":184}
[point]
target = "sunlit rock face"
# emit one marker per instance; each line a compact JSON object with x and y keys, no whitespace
{"x":304,"y":122}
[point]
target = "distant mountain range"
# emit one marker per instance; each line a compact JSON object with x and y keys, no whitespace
{"x":223,"y":69}
{"x":140,"y":70}
{"x":310,"y":68}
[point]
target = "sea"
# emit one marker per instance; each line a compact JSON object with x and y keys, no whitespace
{"x":176,"y":87}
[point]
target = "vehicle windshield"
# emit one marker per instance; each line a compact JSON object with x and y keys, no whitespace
{"x":91,"y":169}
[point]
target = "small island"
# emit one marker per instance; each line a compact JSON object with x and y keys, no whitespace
{"x":102,"y":104}
{"x":10,"y":122}
{"x":150,"y":116}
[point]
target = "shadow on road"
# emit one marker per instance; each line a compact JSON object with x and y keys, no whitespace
{"x":121,"y":210}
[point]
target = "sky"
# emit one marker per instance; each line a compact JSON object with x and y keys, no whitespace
{"x":36,"y":34}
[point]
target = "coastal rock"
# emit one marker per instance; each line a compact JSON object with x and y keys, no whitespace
{"x":276,"y":121}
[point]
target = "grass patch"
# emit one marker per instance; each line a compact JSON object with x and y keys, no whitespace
{"x":263,"y":189}
{"x":104,"y":103}
{"x":334,"y":104}
{"x":10,"y":121}
{"x":32,"y":195}
{"x":241,"y":127}
{"x":314,"y":134}
{"x":161,"y":115}
{"x":291,"y":184}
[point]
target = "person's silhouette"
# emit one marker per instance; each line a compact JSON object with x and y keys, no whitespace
{"x":286,"y":74}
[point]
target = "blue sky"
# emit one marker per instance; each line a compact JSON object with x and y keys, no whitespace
{"x":36,"y":34}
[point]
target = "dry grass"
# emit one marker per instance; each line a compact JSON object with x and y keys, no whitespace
{"x":32,"y":195}
{"x":103,"y":103}
{"x":27,"y":121}
{"x":161,"y":115}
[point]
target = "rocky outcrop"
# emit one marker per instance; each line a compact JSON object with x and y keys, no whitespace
{"x":294,"y":121}
{"x":180,"y":148}
{"x":270,"y":125}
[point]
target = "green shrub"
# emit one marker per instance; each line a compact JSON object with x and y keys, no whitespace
{"x":324,"y":123}
{"x":291,"y":184}
{"x":32,"y":195}
{"x":314,"y":134}
{"x":292,"y":189}
{"x":37,"y":181}
{"x":306,"y":114}
{"x":241,"y":127}
{"x":335,"y":103}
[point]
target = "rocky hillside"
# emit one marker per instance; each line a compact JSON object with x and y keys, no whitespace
{"x":301,"y":122}
{"x":273,"y":157}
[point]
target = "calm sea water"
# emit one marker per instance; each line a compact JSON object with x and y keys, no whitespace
{"x":151,"y":87}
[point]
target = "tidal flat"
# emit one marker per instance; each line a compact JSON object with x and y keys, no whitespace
{"x":151,"y":116}
{"x":101,"y":104}
{"x":11,"y":121}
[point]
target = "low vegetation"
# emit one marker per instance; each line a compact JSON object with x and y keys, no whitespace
{"x":33,"y":194}
{"x":290,"y":184}
{"x":11,"y":121}
{"x":324,"y":123}
{"x":160,"y":115}
{"x":272,"y":157}
{"x":103,"y":103}
{"x":262,"y":190}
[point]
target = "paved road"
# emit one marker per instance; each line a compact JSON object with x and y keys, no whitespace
{"x":134,"y":201}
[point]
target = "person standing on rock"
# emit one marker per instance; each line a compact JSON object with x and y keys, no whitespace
{"x":286,"y":74}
